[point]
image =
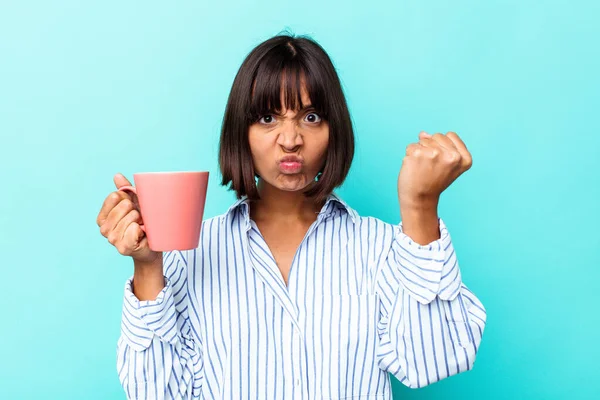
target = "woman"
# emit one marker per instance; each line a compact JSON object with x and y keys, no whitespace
{"x":291,"y":294}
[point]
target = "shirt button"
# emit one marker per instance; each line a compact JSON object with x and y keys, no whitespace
{"x":297,"y":382}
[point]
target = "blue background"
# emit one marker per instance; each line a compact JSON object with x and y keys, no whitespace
{"x":88,"y":89}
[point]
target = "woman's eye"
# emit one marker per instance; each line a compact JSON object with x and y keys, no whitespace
{"x":312,"y":118}
{"x":267,"y":119}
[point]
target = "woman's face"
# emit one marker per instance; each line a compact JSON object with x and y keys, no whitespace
{"x":288,"y":150}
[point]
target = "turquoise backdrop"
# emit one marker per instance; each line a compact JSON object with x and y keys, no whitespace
{"x":88,"y":89}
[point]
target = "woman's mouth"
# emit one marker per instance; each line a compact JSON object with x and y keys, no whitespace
{"x":290,"y":165}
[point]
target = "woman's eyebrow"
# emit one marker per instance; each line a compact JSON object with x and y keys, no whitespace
{"x":307,"y":107}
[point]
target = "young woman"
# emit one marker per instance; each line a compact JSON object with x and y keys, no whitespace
{"x":291,"y":294}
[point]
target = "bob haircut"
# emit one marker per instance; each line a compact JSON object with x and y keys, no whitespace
{"x":279,"y":64}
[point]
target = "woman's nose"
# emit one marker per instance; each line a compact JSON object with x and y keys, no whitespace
{"x":290,"y":138}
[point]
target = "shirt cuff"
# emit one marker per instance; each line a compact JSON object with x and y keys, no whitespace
{"x":428,"y":270}
{"x":142,"y":320}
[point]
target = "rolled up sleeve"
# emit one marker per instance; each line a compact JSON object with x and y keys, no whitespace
{"x":158,"y":355}
{"x":431,"y":324}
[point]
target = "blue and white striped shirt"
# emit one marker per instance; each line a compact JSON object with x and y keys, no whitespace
{"x":363,"y":300}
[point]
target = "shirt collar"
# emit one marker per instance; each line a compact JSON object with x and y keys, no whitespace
{"x":244,"y":205}
{"x":342,"y":204}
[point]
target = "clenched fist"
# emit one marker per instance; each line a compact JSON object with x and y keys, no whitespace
{"x":430,"y":166}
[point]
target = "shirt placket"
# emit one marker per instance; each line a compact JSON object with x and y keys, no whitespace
{"x":298,"y":344}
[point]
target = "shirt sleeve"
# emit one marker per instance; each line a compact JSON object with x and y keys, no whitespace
{"x":158,"y":356}
{"x":431,"y":324}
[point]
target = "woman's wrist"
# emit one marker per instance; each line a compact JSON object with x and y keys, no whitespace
{"x":148,"y":278}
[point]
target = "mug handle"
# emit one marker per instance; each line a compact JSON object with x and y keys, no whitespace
{"x":134,"y":191}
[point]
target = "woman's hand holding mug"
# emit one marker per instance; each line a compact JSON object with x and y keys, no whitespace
{"x":119,"y":221}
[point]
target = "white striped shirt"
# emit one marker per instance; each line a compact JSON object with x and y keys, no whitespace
{"x":363,"y":300}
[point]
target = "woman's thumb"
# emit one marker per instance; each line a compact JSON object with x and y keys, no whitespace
{"x":121,"y":181}
{"x":424,"y":135}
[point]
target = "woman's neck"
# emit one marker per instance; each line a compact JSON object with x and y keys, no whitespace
{"x":281,"y":205}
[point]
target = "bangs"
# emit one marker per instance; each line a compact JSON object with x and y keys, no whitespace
{"x":280,"y":77}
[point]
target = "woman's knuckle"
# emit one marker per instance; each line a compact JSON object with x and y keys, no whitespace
{"x":114,"y":196}
{"x":104,"y":230}
{"x":453,"y":157}
{"x":112,"y":238}
{"x":468,"y":161}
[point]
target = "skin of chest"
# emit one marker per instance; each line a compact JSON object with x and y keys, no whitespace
{"x":283,"y":240}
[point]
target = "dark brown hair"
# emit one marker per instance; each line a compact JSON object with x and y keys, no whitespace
{"x":278,"y":64}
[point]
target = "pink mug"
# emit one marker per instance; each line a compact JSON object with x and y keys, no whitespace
{"x":172,"y":207}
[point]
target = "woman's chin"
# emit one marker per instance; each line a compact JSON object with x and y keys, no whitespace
{"x":292,"y":183}
{"x":289,"y":182}
{"x":291,"y":188}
